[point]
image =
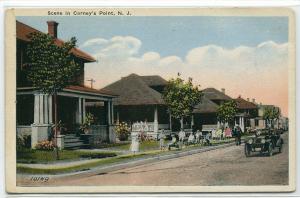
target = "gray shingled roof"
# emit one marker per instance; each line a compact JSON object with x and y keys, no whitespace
{"x":135,"y":90}
{"x":206,"y":106}
{"x":214,"y":94}
{"x":154,"y":80}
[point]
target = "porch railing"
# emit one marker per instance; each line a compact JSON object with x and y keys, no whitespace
{"x":146,"y":127}
{"x":209,"y":127}
{"x":100,"y":132}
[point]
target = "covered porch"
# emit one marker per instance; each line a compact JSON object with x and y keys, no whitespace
{"x":242,"y":120}
{"x":147,"y":118}
{"x":35,"y":113}
{"x":151,"y":119}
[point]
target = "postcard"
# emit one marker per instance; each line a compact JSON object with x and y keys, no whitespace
{"x":114,"y":100}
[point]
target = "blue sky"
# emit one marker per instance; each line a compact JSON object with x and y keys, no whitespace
{"x":235,"y":53}
{"x":171,"y":35}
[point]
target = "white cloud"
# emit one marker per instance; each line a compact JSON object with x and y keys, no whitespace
{"x":95,"y":41}
{"x":123,"y":53}
{"x":239,"y":69}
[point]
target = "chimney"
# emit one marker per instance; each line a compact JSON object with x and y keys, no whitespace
{"x":240,"y":96}
{"x":52,"y":28}
{"x":248,"y":99}
{"x":223,"y":90}
{"x":253,"y":100}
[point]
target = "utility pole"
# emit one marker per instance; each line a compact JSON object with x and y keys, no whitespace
{"x":92,"y":82}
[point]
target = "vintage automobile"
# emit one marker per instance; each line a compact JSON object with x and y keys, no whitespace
{"x":264,"y":142}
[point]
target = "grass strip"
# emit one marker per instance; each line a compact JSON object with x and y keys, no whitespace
{"x":86,"y":166}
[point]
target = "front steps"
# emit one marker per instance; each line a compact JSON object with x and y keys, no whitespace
{"x":72,"y":142}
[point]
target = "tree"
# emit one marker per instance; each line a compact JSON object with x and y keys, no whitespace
{"x":51,"y":67}
{"x":226,"y":112}
{"x":181,"y":97}
{"x":270,"y":114}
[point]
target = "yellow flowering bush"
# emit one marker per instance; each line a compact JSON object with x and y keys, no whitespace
{"x":122,"y":131}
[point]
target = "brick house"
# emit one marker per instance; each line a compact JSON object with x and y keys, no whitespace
{"x":35,"y":109}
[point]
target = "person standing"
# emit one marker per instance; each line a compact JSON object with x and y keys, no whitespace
{"x":238,"y":133}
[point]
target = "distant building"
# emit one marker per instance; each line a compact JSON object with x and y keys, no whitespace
{"x":247,"y":111}
{"x":260,"y":123}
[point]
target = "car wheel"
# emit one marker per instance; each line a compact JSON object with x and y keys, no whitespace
{"x":247,"y":150}
{"x":270,"y":149}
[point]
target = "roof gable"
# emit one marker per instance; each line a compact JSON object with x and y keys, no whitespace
{"x":244,"y":104}
{"x":23,"y":30}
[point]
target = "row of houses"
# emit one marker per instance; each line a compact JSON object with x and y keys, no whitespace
{"x":140,"y":100}
{"x":131,"y":99}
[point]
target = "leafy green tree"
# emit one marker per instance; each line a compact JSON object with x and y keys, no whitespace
{"x":51,"y":67}
{"x":270,"y":114}
{"x":226,"y":112}
{"x":181,"y":97}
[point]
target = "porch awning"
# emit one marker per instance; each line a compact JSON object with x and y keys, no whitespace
{"x":74,"y":91}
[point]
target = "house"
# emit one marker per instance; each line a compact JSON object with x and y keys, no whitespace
{"x":35,"y":109}
{"x":205,"y":113}
{"x":247,"y":111}
{"x":140,"y":100}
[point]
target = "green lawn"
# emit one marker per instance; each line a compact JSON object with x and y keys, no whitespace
{"x":38,"y":156}
{"x":86,"y":166}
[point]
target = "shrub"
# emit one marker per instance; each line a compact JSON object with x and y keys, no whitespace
{"x":122,"y":131}
{"x":23,"y":141}
{"x":45,"y":145}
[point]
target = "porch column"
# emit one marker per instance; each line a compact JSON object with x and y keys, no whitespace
{"x":155,"y":120}
{"x":118,"y":117}
{"x":192,"y":121}
{"x":111,"y":129}
{"x":218,"y":124}
{"x":79,"y":111}
{"x":109,"y":112}
{"x":83,"y":109}
{"x":50,"y":109}
{"x":170,"y":121}
{"x":36,"y":108}
{"x":41,"y":126}
{"x":112,"y":112}
{"x":242,"y":124}
{"x":181,"y":123}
